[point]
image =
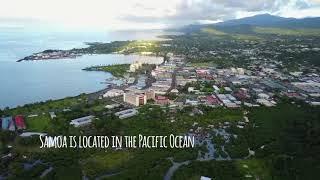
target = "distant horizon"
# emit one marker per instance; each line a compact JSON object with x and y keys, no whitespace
{"x":57,"y":27}
{"x":143,"y":14}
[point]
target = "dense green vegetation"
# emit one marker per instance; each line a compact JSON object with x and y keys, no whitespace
{"x":212,"y":31}
{"x":117,"y":70}
{"x":288,"y":32}
{"x":289,"y":135}
{"x":285,"y":139}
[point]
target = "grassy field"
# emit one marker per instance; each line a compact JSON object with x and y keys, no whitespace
{"x":288,"y":32}
{"x":38,"y":124}
{"x":50,"y":105}
{"x":246,"y":37}
{"x":212,"y":31}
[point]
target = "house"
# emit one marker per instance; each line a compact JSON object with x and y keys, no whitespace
{"x":212,"y":100}
{"x":113,"y":93}
{"x":82,"y":121}
{"x":265,"y":102}
{"x":192,"y":102}
{"x":126,"y":113}
{"x":228,"y":89}
{"x":112,"y":106}
{"x":176,"y":91}
{"x":8,"y":124}
{"x":162,"y":100}
{"x":216,"y":89}
{"x":5,"y":123}
{"x":20,"y":123}
{"x":52,"y":115}
{"x":263,"y":96}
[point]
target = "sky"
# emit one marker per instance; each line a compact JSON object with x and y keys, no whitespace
{"x":143,"y":14}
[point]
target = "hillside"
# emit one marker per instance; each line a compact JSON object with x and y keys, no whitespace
{"x":261,"y":25}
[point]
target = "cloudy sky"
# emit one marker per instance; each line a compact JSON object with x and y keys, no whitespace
{"x":144,"y":14}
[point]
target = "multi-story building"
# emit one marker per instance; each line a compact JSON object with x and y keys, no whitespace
{"x":135,"y":99}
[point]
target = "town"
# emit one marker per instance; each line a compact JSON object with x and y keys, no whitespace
{"x":238,"y":98}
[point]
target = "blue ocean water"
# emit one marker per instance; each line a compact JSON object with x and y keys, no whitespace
{"x":28,"y":82}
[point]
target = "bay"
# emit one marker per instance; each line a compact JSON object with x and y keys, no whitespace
{"x":35,"y":81}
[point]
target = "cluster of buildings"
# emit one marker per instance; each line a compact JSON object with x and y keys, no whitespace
{"x":51,"y":54}
{"x":260,"y":84}
{"x":13,"y":123}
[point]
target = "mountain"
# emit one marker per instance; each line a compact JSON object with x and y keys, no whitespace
{"x":267,"y":20}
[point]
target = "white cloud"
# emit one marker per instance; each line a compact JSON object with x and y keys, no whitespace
{"x":150,"y":14}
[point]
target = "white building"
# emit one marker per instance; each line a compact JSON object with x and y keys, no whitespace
{"x":135,"y":66}
{"x":52,"y":115}
{"x":112,"y":106}
{"x":192,"y":102}
{"x":265,"y":102}
{"x":113,"y":93}
{"x":126,"y":113}
{"x":82,"y":121}
{"x":263,"y":96}
{"x":204,"y":178}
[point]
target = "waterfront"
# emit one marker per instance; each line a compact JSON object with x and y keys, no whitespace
{"x":29,"y":82}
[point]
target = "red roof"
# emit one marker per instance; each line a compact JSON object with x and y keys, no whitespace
{"x":161,"y":98}
{"x":213,"y":100}
{"x":19,"y":120}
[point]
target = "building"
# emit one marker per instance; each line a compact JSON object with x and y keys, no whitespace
{"x":212,"y":100}
{"x":135,"y":66}
{"x":162,"y":100}
{"x":159,"y":90}
{"x":263,"y":96}
{"x":150,"y":94}
{"x":135,"y":99}
{"x":191,"y":102}
{"x":265,"y":102}
{"x":29,"y":134}
{"x":82,"y":121}
{"x":176,"y":91}
{"x":113,"y":93}
{"x":8,"y":124}
{"x":204,"y":178}
{"x":52,"y":115}
{"x":126,"y":113}
{"x":112,"y":106}
{"x":20,"y":123}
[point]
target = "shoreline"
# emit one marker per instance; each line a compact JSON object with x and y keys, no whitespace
{"x":102,"y":88}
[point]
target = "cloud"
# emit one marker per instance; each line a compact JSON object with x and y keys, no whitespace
{"x":191,"y":11}
{"x":124,"y":14}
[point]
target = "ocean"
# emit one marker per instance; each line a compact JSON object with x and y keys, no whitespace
{"x":35,"y":81}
